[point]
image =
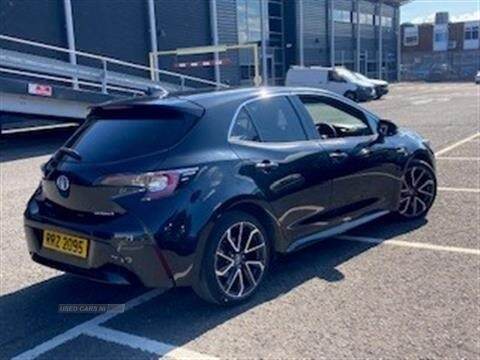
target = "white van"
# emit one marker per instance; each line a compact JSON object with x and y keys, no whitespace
{"x":337,"y":80}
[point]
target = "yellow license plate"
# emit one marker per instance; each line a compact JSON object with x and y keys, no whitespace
{"x":66,"y":244}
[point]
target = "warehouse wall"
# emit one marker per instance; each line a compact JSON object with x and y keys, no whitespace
{"x":315,"y":28}
{"x":122,"y":31}
{"x":316,"y":35}
{"x":119,"y":31}
{"x":345,"y":35}
{"x":390,"y":42}
{"x":41,"y":21}
{"x":368,"y":33}
{"x":228,"y":34}
{"x":291,"y":40}
{"x":183,"y":23}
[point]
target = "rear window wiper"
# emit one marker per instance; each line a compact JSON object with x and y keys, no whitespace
{"x":70,"y":152}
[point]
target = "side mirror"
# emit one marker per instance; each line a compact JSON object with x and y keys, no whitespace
{"x":386,"y":128}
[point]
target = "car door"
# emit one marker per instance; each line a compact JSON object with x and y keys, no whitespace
{"x":284,"y":163}
{"x":365,"y":168}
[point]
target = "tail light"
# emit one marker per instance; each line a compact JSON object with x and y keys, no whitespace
{"x":156,"y":184}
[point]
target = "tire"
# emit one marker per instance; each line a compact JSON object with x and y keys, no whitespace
{"x":419,"y":189}
{"x":235,"y":275}
{"x":351,"y":95}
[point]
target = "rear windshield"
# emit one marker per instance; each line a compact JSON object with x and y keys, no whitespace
{"x":105,"y":140}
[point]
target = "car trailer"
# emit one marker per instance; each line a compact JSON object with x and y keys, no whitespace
{"x":49,"y":89}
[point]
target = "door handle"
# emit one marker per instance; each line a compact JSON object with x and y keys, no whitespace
{"x":401,"y":151}
{"x":266,"y":165}
{"x":338,"y":155}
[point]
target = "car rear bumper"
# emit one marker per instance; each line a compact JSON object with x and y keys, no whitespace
{"x":126,"y":257}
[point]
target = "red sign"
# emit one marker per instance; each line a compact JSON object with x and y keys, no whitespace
{"x":40,"y":90}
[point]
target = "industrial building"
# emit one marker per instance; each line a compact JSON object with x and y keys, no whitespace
{"x":442,"y":50}
{"x":360,"y":34}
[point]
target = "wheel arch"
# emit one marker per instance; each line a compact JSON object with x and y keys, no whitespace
{"x":422,"y":155}
{"x":251,"y":205}
{"x":264,"y":216}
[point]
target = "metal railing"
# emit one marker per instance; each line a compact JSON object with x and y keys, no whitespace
{"x":102,"y":78}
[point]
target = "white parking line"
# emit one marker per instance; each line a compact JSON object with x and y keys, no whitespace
{"x":92,"y":328}
{"x":468,"y":190}
{"x":458,"y":143}
{"x":421,"y":102}
{"x":84,"y":327}
{"x":144,"y":344}
{"x":409,"y":244}
{"x":459,"y":158}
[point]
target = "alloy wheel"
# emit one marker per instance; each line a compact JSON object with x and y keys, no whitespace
{"x":417,"y":193}
{"x":240,"y":259}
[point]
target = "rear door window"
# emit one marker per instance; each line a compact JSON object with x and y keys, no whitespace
{"x":276,"y":120}
{"x":243,"y":128}
{"x":105,"y":140}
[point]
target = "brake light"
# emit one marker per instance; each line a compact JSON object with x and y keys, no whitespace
{"x":156,"y":184}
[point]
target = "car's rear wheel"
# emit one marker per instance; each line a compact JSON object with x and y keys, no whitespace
{"x":419,"y":189}
{"x":235,"y":260}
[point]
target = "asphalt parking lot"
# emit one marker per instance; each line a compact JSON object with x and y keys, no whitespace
{"x":385,"y":290}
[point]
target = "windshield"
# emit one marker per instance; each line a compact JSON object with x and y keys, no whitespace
{"x":361,"y":77}
{"x":346,"y":74}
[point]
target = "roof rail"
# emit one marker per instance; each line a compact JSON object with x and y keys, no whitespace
{"x":24,"y":64}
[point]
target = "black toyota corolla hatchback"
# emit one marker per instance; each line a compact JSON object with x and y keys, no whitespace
{"x":204,"y":189}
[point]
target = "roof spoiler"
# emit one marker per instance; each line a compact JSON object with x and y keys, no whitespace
{"x":146,"y":106}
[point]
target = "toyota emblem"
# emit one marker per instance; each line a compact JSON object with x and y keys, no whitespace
{"x":63,"y":184}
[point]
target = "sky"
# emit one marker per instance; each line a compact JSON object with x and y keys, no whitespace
{"x":419,"y":11}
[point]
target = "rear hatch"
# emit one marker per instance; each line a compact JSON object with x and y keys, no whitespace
{"x":117,"y":140}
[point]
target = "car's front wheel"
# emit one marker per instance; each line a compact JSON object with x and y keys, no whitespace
{"x":351,"y":96}
{"x":418,"y":192}
{"x":235,"y":260}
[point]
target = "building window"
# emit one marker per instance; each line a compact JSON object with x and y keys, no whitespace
{"x":441,"y":37}
{"x":365,"y":19}
{"x":471,"y":33}
{"x":387,"y":22}
{"x":249,"y":21}
{"x":342,"y":16}
{"x":369,"y":19}
{"x":410,"y":40}
{"x":410,"y":36}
